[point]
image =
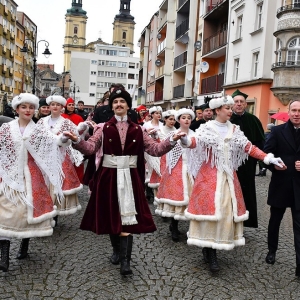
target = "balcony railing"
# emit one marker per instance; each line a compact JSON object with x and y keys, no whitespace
{"x":212,"y":84}
{"x":161,"y":46}
{"x":215,"y":42}
{"x":159,"y":96}
{"x":178,"y":91}
{"x":182,"y":28}
{"x":159,"y":71}
{"x":180,"y":60}
{"x":286,"y":64}
{"x":181,"y":2}
{"x":213,"y":3}
{"x":288,"y":7}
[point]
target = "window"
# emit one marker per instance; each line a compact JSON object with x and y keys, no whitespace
{"x":222,"y":67}
{"x":279,"y":57}
{"x":101,"y":73}
{"x":236,"y":69}
{"x":93,"y":62}
{"x":124,"y":36}
{"x":296,"y":3}
{"x":111,"y":63}
{"x":130,"y":76}
{"x":111,"y":52}
{"x":92,"y":83}
{"x":293,"y":53}
{"x":75,"y":30}
{"x":4,"y":22}
{"x":123,"y":53}
{"x":255,"y":64}
{"x":121,"y":75}
{"x":239,"y":27}
{"x":101,"y":63}
{"x":102,"y":51}
{"x":110,"y":74}
{"x":100,"y":84}
{"x":122,"y":64}
{"x":92,"y":94}
{"x":259,"y":11}
{"x":131,"y":65}
{"x":93,"y":73}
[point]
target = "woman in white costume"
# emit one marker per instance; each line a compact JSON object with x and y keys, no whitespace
{"x":216,"y":209}
{"x":176,"y":184}
{"x":30,"y":160}
{"x":71,"y":184}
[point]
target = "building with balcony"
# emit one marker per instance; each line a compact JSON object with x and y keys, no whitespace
{"x":213,"y":34}
{"x":93,"y":73}
{"x":7,"y":36}
{"x":250,"y":55}
{"x":26,"y":34}
{"x":169,"y":58}
{"x":286,"y":66}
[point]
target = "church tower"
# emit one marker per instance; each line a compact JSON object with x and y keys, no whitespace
{"x":75,"y":33}
{"x":124,"y":24}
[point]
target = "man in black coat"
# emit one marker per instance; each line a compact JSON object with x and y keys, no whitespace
{"x":253,"y":130}
{"x":284,"y":189}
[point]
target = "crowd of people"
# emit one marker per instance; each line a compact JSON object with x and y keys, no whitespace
{"x":199,"y":163}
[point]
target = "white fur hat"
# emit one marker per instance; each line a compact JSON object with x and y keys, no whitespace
{"x":25,"y":98}
{"x":184,"y":111}
{"x":154,"y":109}
{"x":57,"y":99}
{"x":169,"y":113}
{"x":218,"y":102}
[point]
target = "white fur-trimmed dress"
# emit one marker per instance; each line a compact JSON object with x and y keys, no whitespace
{"x":176,"y":184}
{"x":71,"y":184}
{"x":29,"y":163}
{"x":216,"y":209}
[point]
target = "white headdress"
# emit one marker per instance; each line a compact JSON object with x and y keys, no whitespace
{"x":169,"y":113}
{"x":218,"y":102}
{"x":184,"y":111}
{"x":154,"y":109}
{"x":56,"y":98}
{"x":25,"y":98}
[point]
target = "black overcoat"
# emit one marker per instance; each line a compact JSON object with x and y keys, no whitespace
{"x":284,"y":188}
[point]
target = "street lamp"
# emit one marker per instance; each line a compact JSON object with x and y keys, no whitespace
{"x":73,"y":89}
{"x":46,"y":52}
{"x":63,"y":77}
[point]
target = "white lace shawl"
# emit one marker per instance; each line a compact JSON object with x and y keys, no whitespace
{"x":226,"y":154}
{"x":60,"y":126}
{"x":174,"y":155}
{"x":43,"y":147}
{"x":153,"y":163}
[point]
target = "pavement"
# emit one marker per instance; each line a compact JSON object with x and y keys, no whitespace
{"x":74,"y":264}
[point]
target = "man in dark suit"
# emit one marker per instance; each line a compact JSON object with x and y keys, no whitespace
{"x":284,"y":189}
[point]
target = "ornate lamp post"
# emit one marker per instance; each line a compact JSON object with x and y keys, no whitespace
{"x":46,"y":52}
{"x":73,"y":90}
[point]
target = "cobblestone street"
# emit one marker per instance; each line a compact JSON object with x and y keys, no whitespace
{"x":73,"y":264}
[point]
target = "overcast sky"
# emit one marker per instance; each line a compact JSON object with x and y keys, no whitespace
{"x":49,"y":16}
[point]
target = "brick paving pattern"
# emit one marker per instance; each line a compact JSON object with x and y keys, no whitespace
{"x":73,"y":264}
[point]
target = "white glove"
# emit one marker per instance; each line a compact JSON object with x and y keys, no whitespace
{"x":82,"y":127}
{"x":277,"y":161}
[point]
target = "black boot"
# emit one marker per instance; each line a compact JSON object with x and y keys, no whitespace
{"x":213,"y":261}
{"x":205,"y":252}
{"x":115,"y":242}
{"x":263,"y":172}
{"x":23,"y":251}
{"x":174,"y":230}
{"x":4,"y":263}
{"x":56,"y":221}
{"x":125,"y":254}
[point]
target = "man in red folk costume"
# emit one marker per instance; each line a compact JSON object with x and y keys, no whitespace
{"x":118,"y":206}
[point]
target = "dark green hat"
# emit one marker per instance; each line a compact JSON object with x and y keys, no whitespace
{"x":43,"y":102}
{"x":239,"y":93}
